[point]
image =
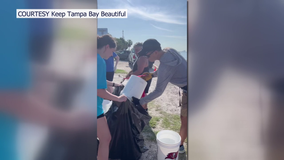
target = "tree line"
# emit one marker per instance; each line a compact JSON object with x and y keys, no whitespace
{"x":122,"y":44}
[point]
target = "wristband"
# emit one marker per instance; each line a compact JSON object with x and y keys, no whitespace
{"x":113,"y":84}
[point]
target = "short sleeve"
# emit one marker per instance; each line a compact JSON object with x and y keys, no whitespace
{"x":114,"y":55}
{"x":101,"y":74}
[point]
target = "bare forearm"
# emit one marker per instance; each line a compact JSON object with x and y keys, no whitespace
{"x":27,"y":107}
{"x":106,"y":95}
{"x":116,"y":62}
{"x":136,"y":73}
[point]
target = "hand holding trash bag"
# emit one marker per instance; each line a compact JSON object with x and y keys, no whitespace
{"x":108,"y":96}
{"x":122,"y":98}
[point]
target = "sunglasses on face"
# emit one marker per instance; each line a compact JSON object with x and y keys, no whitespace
{"x":148,"y":55}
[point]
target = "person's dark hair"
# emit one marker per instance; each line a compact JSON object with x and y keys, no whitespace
{"x":140,"y":54}
{"x":105,"y":40}
{"x":138,"y":44}
{"x":150,"y":45}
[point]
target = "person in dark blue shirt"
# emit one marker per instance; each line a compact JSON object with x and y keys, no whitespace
{"x":111,"y":68}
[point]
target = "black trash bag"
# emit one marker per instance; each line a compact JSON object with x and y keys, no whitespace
{"x":126,"y":121}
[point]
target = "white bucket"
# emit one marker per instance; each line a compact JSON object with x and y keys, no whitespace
{"x":168,"y":144}
{"x":106,"y":105}
{"x":134,"y":87}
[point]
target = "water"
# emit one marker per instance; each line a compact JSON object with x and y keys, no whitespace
{"x":168,"y":141}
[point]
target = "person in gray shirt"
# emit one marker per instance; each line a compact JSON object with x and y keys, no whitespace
{"x":172,"y":69}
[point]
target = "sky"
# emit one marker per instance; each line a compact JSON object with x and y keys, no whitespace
{"x":164,"y":20}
